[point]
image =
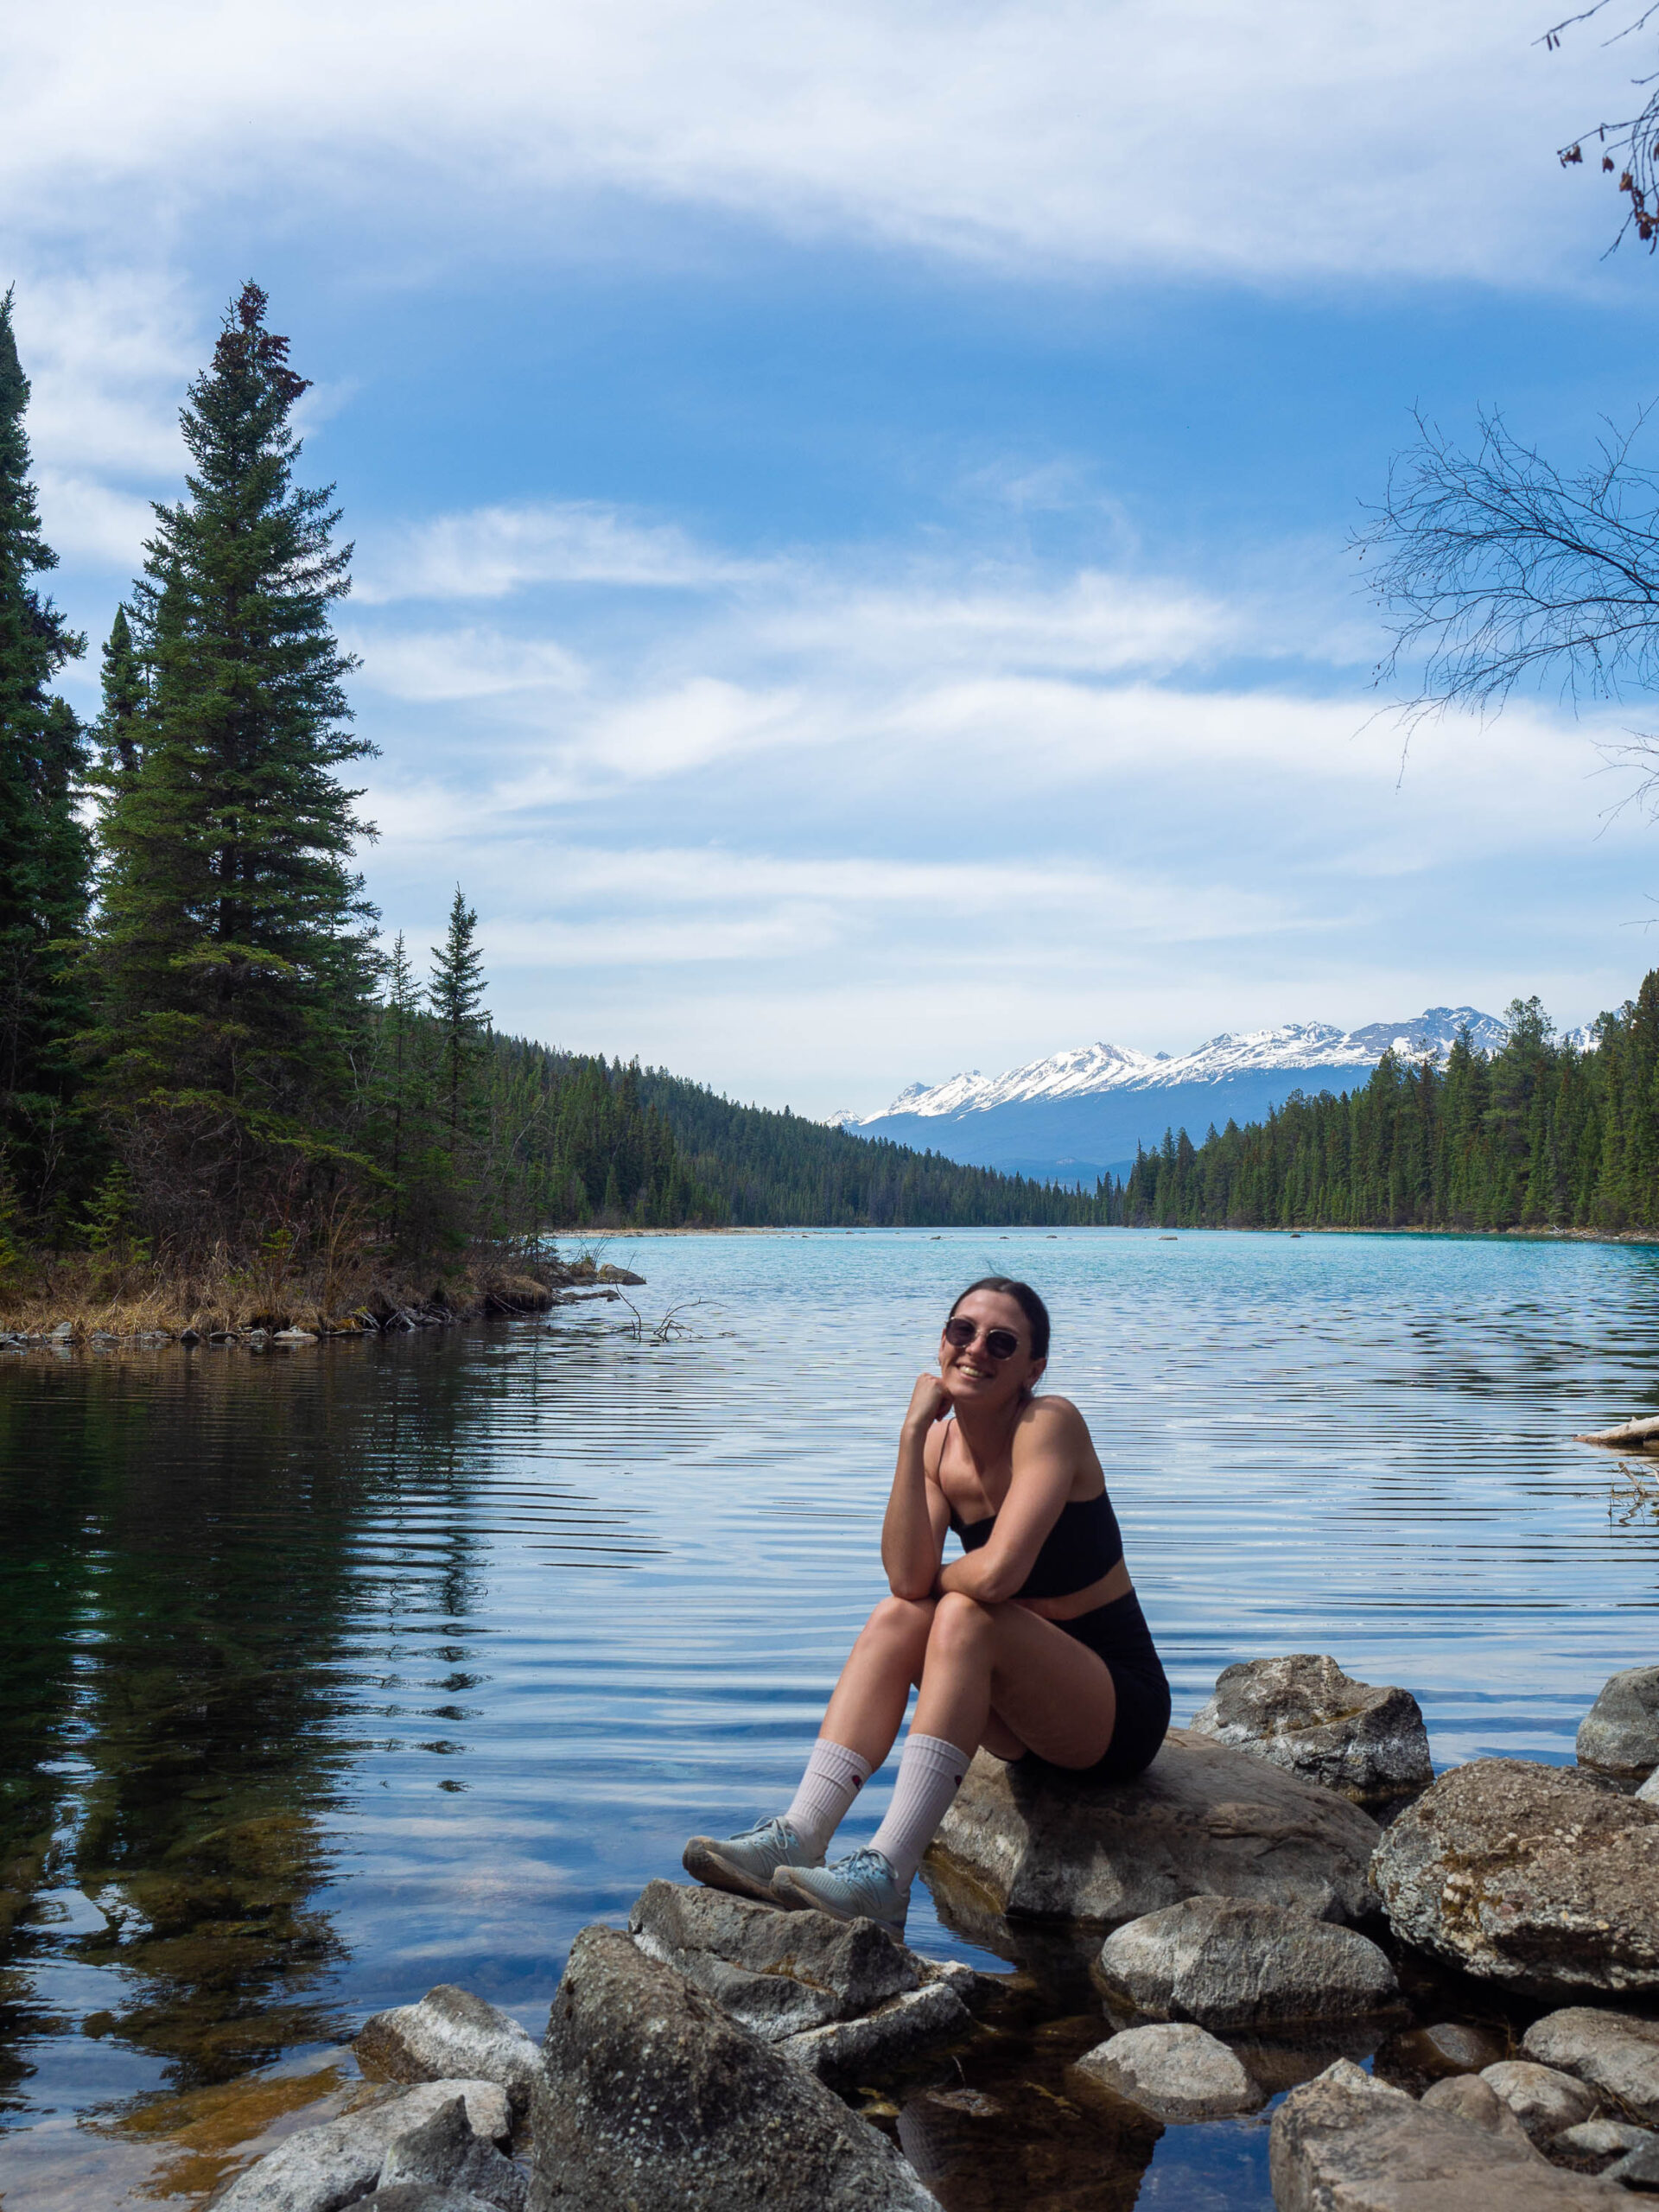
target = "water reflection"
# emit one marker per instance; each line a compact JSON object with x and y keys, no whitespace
{"x":335,"y":1675}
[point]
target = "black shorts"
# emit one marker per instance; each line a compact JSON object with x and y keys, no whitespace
{"x":1119,"y":1633}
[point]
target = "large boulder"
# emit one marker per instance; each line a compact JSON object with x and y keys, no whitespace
{"x":1303,"y":1713}
{"x":837,"y":1996}
{"x":1203,"y":1821}
{"x":1537,"y":1877}
{"x":1612,"y":2051}
{"x":1620,"y":1732}
{"x":1348,"y":2143}
{"x":449,"y":2034}
{"x":1231,"y":1963}
{"x":651,"y":2098}
{"x":1174,"y":2071}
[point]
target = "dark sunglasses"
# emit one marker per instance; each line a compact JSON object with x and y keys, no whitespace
{"x":1001,"y":1344}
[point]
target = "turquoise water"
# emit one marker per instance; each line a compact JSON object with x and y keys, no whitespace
{"x":339,"y":1672}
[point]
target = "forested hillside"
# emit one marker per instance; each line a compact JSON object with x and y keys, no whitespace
{"x":1539,"y":1135}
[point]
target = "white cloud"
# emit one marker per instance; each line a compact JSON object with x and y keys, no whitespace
{"x":465,"y":663}
{"x":493,"y":552}
{"x":1185,"y":137}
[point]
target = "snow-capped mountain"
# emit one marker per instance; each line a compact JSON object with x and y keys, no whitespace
{"x":1079,"y":1113}
{"x":1292,"y":1045}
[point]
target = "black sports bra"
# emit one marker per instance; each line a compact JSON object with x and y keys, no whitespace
{"x":1083,"y":1544}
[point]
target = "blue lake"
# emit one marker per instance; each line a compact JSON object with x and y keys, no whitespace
{"x":334,"y":1673}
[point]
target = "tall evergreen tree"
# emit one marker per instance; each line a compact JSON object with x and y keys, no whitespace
{"x":457,"y":1001}
{"x":44,"y":855}
{"x":119,"y":728}
{"x":232,"y":944}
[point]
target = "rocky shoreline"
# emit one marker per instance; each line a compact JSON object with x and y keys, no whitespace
{"x":287,"y":1320}
{"x":1252,"y":1931}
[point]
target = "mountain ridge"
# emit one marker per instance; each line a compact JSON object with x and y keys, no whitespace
{"x":1081,"y":1112}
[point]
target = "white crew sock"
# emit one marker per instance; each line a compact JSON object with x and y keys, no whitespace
{"x":834,"y":1778}
{"x":930,"y":1775}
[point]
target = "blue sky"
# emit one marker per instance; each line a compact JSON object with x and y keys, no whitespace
{"x":852,"y":502}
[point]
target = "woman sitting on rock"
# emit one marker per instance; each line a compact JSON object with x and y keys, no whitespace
{"x":1032,"y":1643}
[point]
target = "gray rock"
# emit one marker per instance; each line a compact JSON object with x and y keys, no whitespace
{"x":1543,"y":2099}
{"x":1639,"y":2168}
{"x":1610,"y":2050}
{"x":1648,"y":1793}
{"x":1620,"y":1732}
{"x":1603,"y":2139}
{"x":1230,"y":1962}
{"x":1469,"y":2098}
{"x":449,"y":2035}
{"x":320,"y":2169}
{"x":1174,"y":2071}
{"x":777,"y":1973}
{"x":1537,"y":1876}
{"x":444,"y":2150}
{"x":882,"y":2040}
{"x":1303,"y":1713}
{"x":833,"y":1995}
{"x":649,"y":2097}
{"x":1203,"y":1821}
{"x":1348,"y":2143}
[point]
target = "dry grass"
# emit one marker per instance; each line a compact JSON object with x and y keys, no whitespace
{"x":98,"y":1294}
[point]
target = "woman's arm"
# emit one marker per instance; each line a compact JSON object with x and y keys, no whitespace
{"x":1046,"y":1454}
{"x":913,"y":1535}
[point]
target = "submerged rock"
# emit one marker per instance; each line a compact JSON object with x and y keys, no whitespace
{"x":1537,"y":1876}
{"x":1303,"y":1713}
{"x":1203,"y":1821}
{"x":449,"y":2034}
{"x":1543,"y":2099}
{"x":649,"y":2097}
{"x":1610,"y":2050}
{"x":1620,"y":1732}
{"x":1446,"y":2047}
{"x":834,"y":1995}
{"x":1230,"y":1962}
{"x":1349,"y":2143}
{"x":1174,"y":2071}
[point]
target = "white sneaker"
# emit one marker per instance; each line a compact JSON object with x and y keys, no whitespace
{"x":746,"y":1864}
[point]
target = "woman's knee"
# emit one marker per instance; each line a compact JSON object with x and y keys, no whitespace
{"x":900,"y":1620}
{"x":959,"y":1620}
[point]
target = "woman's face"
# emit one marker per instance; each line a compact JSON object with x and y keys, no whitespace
{"x":972,"y":1374}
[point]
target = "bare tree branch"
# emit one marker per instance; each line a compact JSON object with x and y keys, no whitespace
{"x":1496,"y":569}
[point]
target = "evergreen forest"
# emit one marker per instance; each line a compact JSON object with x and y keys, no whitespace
{"x":1538,"y":1135}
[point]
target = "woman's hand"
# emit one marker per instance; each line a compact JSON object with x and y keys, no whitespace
{"x":929,"y":1402}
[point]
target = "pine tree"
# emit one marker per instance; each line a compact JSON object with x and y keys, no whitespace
{"x":456,"y":995}
{"x":45,"y":859}
{"x":119,"y":728}
{"x":232,"y":950}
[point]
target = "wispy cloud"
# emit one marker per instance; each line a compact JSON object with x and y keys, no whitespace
{"x":493,"y":552}
{"x":1194,"y":137}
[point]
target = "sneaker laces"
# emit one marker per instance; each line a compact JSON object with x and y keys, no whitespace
{"x":867,"y":1863}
